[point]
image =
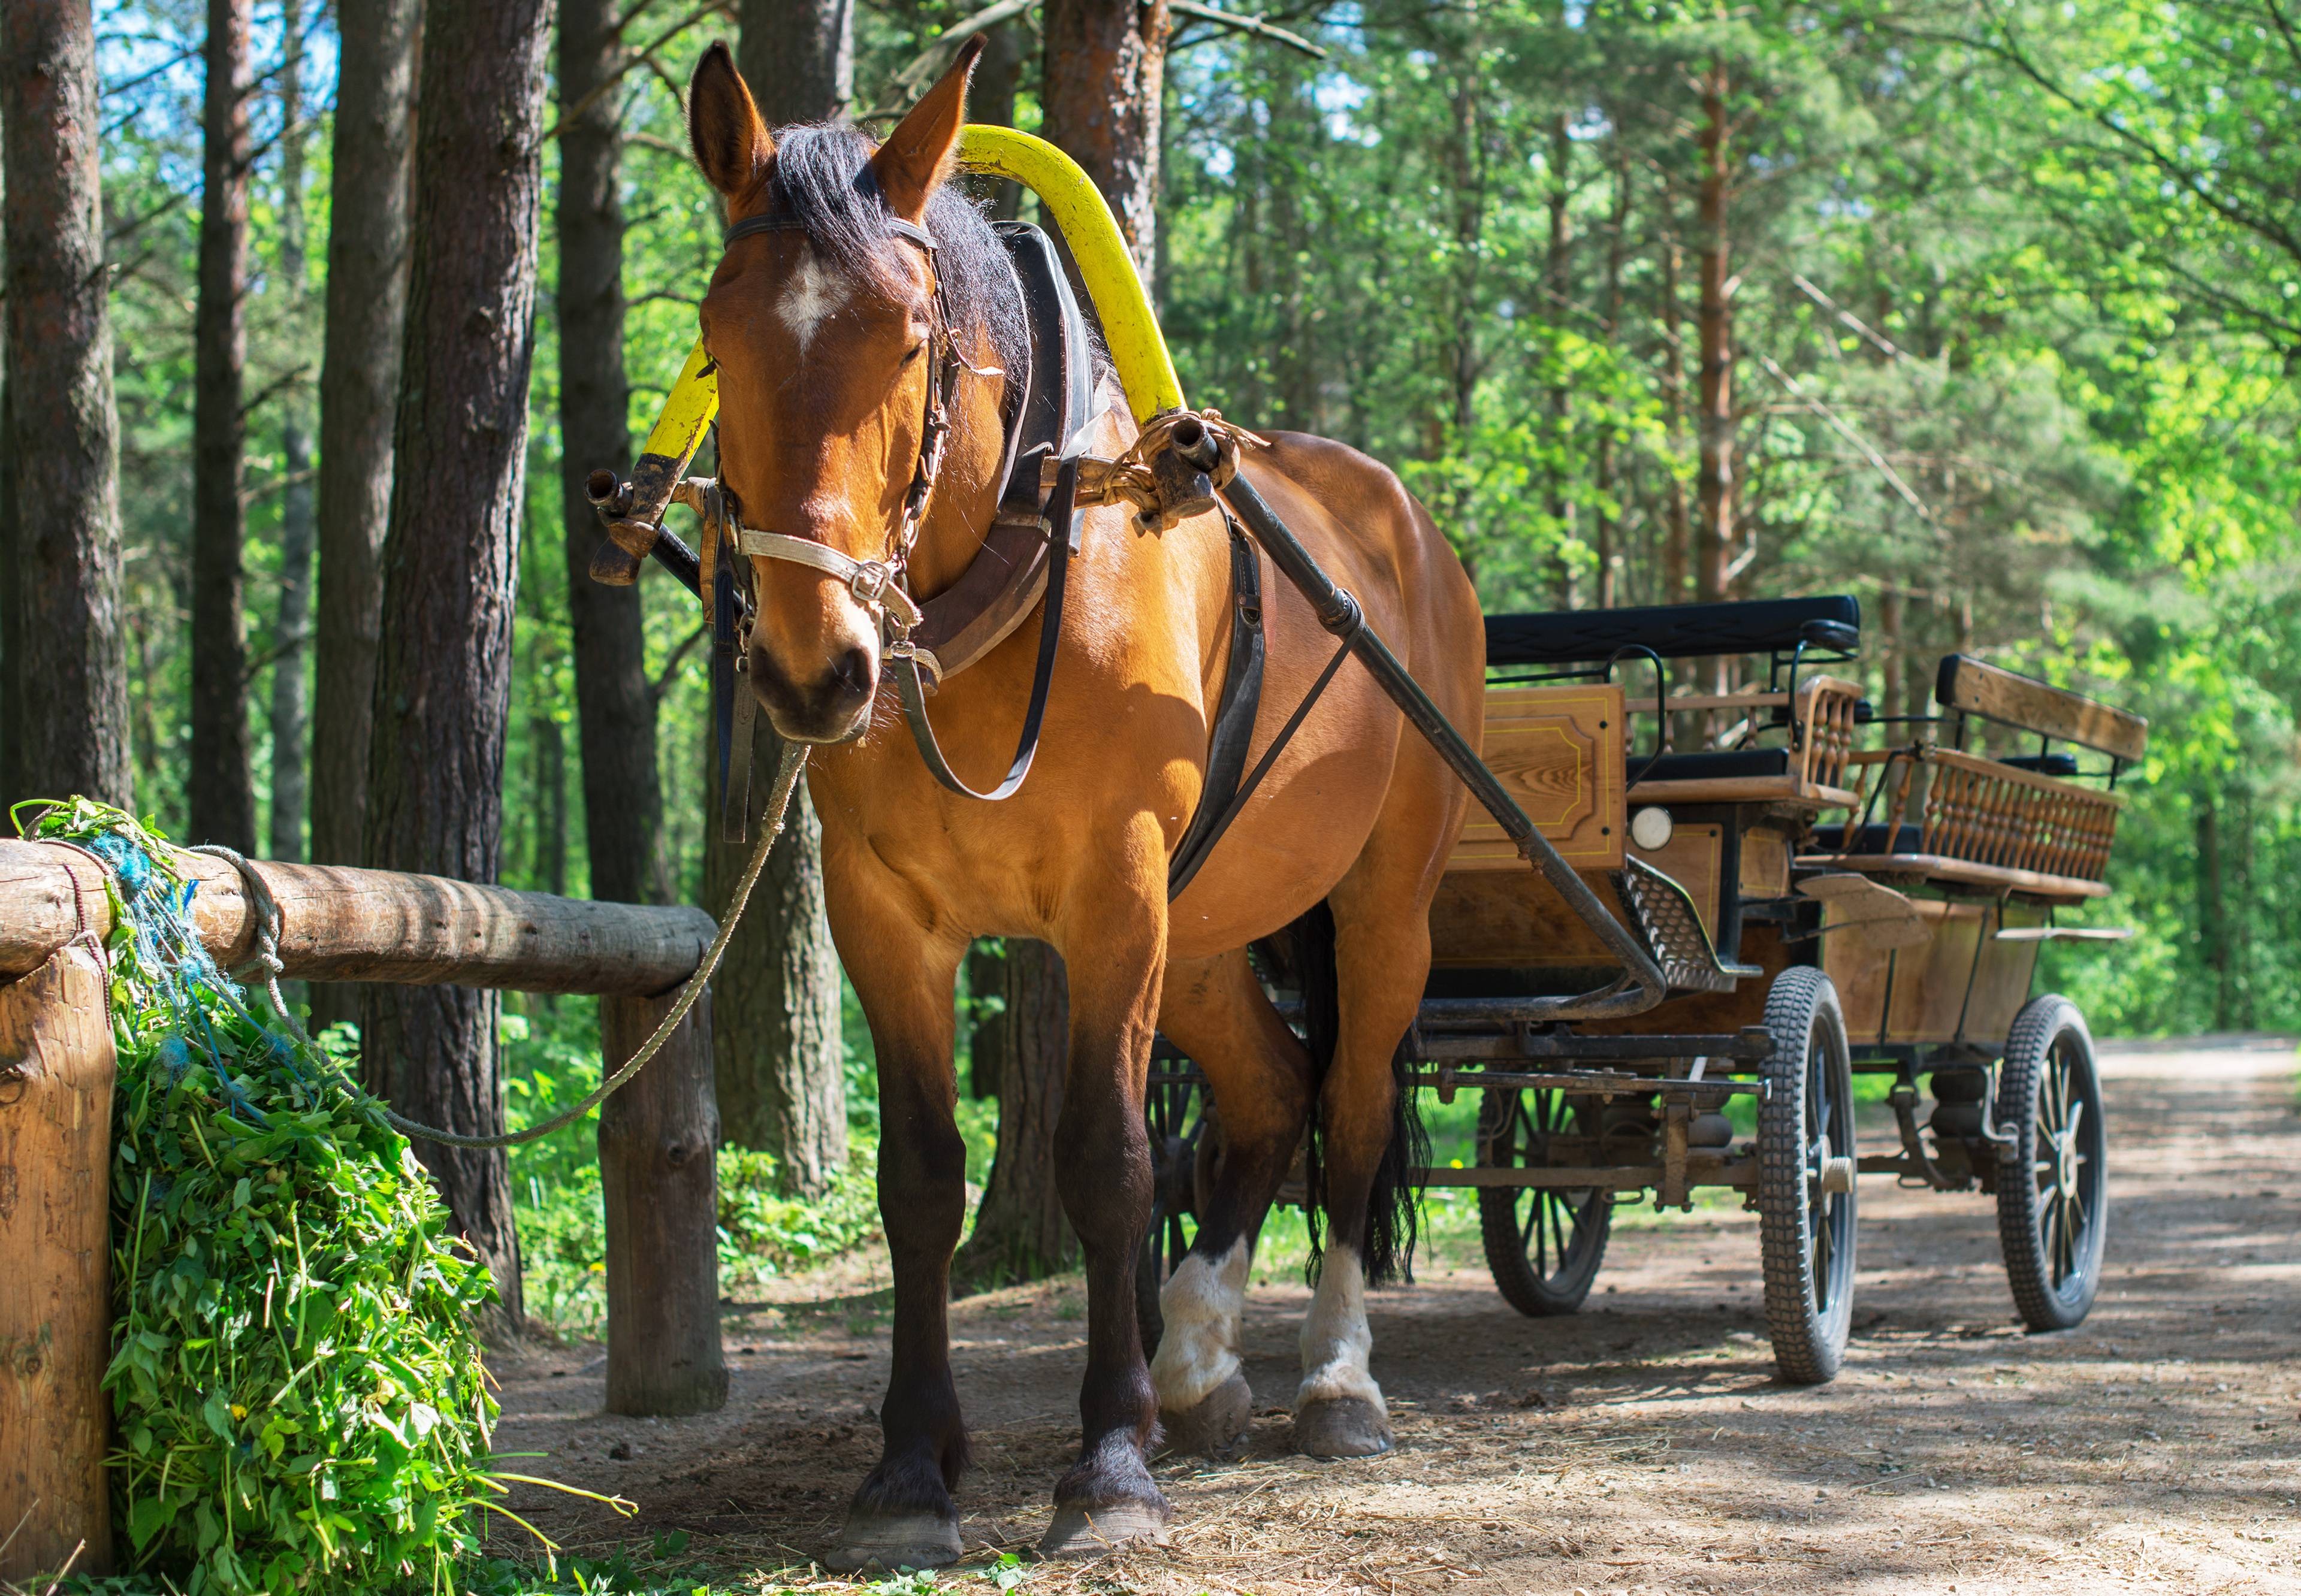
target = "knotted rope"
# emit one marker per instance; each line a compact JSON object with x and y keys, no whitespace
{"x":1130,"y":478}
{"x":267,"y":955}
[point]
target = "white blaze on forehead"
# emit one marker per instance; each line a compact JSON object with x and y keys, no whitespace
{"x":811,"y":297}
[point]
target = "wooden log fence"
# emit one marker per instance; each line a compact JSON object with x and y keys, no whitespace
{"x":656,"y":1137}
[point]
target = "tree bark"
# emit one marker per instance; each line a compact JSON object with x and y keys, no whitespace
{"x":1714,"y":530}
{"x":798,"y":57}
{"x":616,"y":711}
{"x":66,"y":649}
{"x":1020,"y":1233}
{"x":1608,"y":519}
{"x":220,"y":789}
{"x":1677,"y":525}
{"x":1101,"y":90}
{"x":778,"y":1054}
{"x":1556,"y":279}
{"x":451,"y":563}
{"x":290,"y":691}
{"x":359,"y":385}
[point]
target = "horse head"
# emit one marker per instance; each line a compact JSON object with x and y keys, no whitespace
{"x":858,"y":302}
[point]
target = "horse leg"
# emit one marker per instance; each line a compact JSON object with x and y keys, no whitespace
{"x":902,"y":1515}
{"x":1381,"y":958}
{"x":1103,"y":1171}
{"x":1216,"y":1011}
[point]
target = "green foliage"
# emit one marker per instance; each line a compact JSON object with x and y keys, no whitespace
{"x":295,"y":1386}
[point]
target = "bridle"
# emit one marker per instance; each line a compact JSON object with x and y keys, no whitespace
{"x":880,"y":585}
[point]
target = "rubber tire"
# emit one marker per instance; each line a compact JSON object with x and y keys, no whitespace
{"x":2023,"y":1211}
{"x":1522,"y":1285}
{"x":1809,"y":1315}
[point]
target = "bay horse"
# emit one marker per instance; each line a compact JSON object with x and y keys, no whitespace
{"x":823,"y":320}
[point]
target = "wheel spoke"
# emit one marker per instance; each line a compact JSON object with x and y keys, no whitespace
{"x":1557,"y":1229}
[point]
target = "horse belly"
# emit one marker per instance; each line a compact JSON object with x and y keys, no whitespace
{"x":1304,"y":827}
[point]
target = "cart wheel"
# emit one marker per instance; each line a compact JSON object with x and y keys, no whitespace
{"x":1544,"y":1244}
{"x":2052,"y":1225}
{"x":1806,"y":1178}
{"x":1179,"y":1113}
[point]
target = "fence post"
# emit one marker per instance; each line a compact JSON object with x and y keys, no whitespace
{"x":660,"y":1181}
{"x":57,"y":1071}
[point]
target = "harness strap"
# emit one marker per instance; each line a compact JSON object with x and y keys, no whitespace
{"x":1234,"y":713}
{"x":1348,"y":632}
{"x":871,"y":580}
{"x":903,"y":660}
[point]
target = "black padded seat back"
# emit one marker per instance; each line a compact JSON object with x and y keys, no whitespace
{"x":1718,"y":765}
{"x":1831,"y":624}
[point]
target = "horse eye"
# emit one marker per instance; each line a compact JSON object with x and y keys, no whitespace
{"x":914,"y":351}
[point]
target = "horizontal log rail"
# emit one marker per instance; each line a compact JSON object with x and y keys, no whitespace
{"x":338,"y":923}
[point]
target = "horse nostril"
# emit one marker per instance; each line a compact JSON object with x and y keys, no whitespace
{"x":852,"y":670}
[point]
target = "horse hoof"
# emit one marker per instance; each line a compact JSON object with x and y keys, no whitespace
{"x":1341,"y":1428}
{"x":1221,"y":1417}
{"x":1098,"y":1532}
{"x":894,"y":1542}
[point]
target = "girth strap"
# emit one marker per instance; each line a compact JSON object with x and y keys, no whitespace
{"x":1234,"y":723}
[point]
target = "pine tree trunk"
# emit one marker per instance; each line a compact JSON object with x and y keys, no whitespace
{"x":290,"y":691}
{"x":1020,"y":1233}
{"x":1100,"y":94}
{"x":778,"y":1058}
{"x":1714,"y":530}
{"x":1608,"y":519}
{"x":450,"y":561}
{"x":68,"y":707}
{"x":779,"y":1062}
{"x":799,"y":58}
{"x":1556,"y":278}
{"x":1677,"y":527}
{"x":615,"y":711}
{"x":219,"y":787}
{"x":1101,"y":76}
{"x":359,"y":385}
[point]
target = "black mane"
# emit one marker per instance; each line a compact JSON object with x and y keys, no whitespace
{"x":822,"y":178}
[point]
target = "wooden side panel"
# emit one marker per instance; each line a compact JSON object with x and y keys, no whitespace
{"x":2000,"y":985}
{"x":56,"y":1073}
{"x":1558,"y":752}
{"x":1765,"y":863}
{"x":1920,"y":994}
{"x":1491,"y":918}
{"x":1694,"y":857}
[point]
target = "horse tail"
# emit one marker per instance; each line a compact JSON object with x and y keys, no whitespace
{"x":1392,"y":1207}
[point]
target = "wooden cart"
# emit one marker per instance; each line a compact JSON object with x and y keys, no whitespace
{"x":1804,"y":939}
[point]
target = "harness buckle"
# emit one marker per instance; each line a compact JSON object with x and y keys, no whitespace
{"x":869,"y":582}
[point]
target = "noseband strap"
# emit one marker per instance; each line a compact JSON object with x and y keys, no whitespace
{"x":871,"y":580}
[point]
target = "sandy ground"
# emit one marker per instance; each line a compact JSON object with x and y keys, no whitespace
{"x":1642,"y":1446}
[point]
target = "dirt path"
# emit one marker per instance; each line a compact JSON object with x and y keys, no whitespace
{"x":1642,"y":1446}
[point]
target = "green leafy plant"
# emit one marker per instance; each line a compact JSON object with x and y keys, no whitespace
{"x":295,"y":1386}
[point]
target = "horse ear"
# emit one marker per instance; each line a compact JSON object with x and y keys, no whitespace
{"x":724,"y":127}
{"x":919,"y":153}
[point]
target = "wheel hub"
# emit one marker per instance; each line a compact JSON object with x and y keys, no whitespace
{"x":2065,"y":1165}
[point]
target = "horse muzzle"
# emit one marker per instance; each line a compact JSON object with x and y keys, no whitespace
{"x":833,"y":707}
